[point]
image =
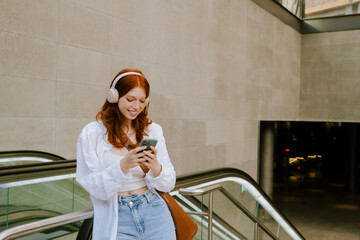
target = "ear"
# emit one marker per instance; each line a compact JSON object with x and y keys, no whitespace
{"x":147,"y":100}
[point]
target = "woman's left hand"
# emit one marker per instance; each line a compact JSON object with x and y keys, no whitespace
{"x":151,"y":161}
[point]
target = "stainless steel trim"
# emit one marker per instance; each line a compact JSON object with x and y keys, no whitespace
{"x":308,"y":26}
{"x":209,"y":190}
{"x":199,"y":191}
{"x":48,"y":223}
{"x":210,"y":215}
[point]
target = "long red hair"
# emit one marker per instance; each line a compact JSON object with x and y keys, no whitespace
{"x":114,"y":120}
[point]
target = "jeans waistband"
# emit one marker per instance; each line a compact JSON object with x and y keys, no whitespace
{"x":135,"y":198}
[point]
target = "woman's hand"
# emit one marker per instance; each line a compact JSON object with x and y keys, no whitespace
{"x":151,"y":161}
{"x":132,"y":159}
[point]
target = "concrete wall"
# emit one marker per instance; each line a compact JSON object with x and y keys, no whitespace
{"x":216,"y":68}
{"x":330,"y":76}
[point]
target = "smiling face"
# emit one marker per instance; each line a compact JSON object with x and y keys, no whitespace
{"x":132,"y":103}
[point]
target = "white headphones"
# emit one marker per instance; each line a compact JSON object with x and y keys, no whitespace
{"x":112,"y":94}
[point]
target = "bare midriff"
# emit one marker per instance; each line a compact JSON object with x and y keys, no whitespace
{"x":138,"y":191}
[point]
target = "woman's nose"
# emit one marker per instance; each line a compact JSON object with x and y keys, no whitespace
{"x":136,"y":105}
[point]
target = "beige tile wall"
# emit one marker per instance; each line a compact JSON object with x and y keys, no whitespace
{"x":330,"y":76}
{"x":216,"y":67}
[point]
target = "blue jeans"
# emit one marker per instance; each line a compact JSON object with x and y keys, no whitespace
{"x":144,"y":217}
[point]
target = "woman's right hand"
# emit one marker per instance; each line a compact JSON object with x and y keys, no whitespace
{"x":132,"y":159}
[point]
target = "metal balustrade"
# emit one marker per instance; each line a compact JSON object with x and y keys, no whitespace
{"x":209,"y":190}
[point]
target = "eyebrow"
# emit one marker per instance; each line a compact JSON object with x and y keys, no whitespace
{"x":134,"y":96}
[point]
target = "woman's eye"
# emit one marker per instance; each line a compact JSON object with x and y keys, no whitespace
{"x":129,"y":100}
{"x":142,"y":101}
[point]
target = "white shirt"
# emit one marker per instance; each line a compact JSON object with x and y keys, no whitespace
{"x":102,"y":180}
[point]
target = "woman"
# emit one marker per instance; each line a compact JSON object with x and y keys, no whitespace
{"x":110,"y":165}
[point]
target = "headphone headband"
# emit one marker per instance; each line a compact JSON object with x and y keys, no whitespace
{"x":113,"y":94}
{"x":123,"y":75}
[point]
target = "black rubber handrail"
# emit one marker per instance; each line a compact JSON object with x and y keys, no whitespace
{"x":37,"y":167}
{"x":48,"y":165}
{"x":16,"y":173}
{"x":30,"y":153}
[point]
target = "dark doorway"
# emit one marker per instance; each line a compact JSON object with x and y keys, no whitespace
{"x":316,"y":177}
{"x":322,"y":152}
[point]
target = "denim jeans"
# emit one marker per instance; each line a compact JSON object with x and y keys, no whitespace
{"x":144,"y":217}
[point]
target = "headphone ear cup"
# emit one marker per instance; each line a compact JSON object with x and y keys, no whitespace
{"x":112,"y":95}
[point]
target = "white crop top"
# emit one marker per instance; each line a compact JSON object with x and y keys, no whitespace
{"x":137,"y":175}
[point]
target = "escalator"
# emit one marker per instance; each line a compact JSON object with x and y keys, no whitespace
{"x":47,"y":203}
{"x":35,"y":186}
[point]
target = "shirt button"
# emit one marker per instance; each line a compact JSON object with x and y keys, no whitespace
{"x":131,"y":204}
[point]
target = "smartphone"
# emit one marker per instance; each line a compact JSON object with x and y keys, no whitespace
{"x":147,"y":142}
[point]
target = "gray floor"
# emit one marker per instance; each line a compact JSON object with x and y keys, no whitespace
{"x":319,"y":210}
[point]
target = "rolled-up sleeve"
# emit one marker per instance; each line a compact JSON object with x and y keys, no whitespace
{"x":165,"y":181}
{"x":101,"y":183}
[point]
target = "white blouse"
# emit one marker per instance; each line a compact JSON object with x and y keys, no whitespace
{"x":103,"y":179}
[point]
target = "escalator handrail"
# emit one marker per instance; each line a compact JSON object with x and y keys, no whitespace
{"x":45,"y":224}
{"x":189,"y":180}
{"x":26,"y":172}
{"x":29,"y":153}
{"x":36,"y":167}
{"x":46,"y":164}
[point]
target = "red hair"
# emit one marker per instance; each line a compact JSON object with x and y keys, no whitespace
{"x":114,"y":120}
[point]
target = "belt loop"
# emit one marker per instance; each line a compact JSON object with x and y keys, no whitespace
{"x":148,"y":195}
{"x":119,"y":200}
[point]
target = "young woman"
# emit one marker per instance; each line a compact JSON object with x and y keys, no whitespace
{"x":110,"y":166}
